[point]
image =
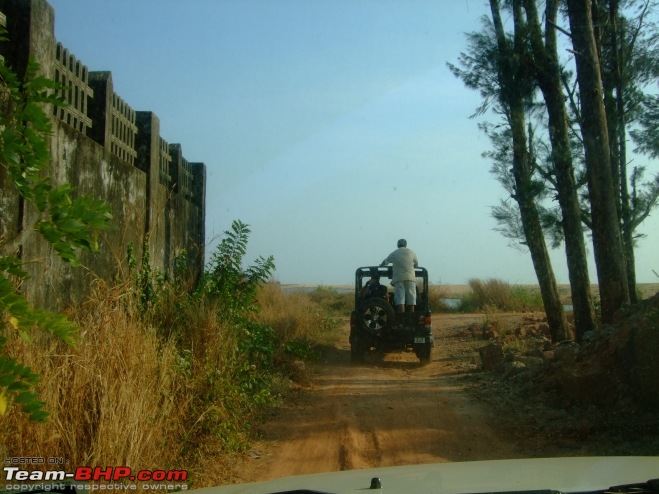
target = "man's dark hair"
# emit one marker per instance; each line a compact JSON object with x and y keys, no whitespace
{"x":402,"y":243}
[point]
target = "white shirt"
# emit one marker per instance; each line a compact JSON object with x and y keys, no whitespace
{"x":404,"y":261}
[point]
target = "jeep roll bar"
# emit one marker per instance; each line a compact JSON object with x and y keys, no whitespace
{"x":384,"y":272}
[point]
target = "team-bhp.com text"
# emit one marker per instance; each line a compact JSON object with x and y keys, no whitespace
{"x":97,"y":474}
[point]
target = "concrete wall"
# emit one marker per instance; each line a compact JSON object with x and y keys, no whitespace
{"x":105,"y":149}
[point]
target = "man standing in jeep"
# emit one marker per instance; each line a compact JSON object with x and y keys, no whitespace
{"x":403,"y":261}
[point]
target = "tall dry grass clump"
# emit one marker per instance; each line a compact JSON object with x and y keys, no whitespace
{"x":288,"y":314}
{"x":125,"y":394}
{"x":329,"y":298}
{"x":494,"y":294}
{"x":295,"y":315}
{"x":302,"y":326}
{"x":114,"y":399}
{"x":437,"y":298}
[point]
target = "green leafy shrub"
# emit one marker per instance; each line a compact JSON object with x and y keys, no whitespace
{"x":239,"y":364}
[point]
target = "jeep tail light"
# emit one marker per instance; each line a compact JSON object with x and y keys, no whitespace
{"x":427,"y":321}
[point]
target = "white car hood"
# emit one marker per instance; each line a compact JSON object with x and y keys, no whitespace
{"x":559,"y":474}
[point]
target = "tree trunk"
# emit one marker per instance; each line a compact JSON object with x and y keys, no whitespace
{"x":619,"y":152}
{"x":513,"y":100}
{"x":547,"y":71}
{"x":607,"y":244}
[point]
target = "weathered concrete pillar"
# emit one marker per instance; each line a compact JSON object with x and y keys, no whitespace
{"x":147,"y":145}
{"x":152,"y":159}
{"x":199,"y":200}
{"x":176,"y":167}
{"x":31,"y":31}
{"x":199,"y":184}
{"x":100,"y":108}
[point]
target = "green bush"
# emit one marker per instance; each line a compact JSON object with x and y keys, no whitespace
{"x":526,"y":299}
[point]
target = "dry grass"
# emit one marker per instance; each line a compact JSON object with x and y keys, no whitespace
{"x":291,"y":315}
{"x":437,"y":296}
{"x":135,"y":394}
{"x":114,"y":398}
{"x":303,"y":326}
{"x":297,"y":315}
{"x":494,"y":294}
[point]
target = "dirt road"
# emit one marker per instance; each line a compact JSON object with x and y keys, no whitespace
{"x":396,"y":412}
{"x":391,"y":411}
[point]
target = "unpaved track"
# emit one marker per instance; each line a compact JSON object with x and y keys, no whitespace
{"x":390,"y":411}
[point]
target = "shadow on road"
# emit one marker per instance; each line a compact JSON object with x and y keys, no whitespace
{"x":340,"y":357}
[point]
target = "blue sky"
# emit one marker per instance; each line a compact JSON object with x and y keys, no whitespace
{"x":331,"y":127}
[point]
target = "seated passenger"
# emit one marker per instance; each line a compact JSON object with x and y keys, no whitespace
{"x":373,"y":288}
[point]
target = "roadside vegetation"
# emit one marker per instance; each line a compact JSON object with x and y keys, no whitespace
{"x":492,"y":295}
{"x":166,"y":377}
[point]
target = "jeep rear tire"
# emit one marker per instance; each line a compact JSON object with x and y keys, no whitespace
{"x":375,"y":315}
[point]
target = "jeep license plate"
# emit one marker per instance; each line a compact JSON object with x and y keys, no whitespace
{"x":419,"y":339}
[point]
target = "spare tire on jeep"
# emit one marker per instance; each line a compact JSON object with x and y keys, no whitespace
{"x":375,"y":315}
